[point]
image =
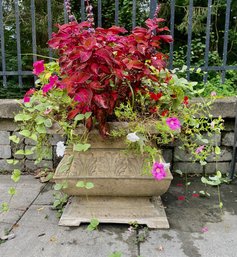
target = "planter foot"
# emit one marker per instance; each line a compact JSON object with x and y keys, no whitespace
{"x":123,"y":210}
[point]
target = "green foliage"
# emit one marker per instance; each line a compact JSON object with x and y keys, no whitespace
{"x":94,"y":223}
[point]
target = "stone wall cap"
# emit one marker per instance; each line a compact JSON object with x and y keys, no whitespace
{"x":225,"y":106}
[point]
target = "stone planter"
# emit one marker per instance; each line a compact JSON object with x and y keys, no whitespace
{"x":118,"y":182}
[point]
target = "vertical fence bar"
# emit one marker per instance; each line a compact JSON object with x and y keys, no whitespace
{"x":65,"y":15}
{"x":172,"y":16}
{"x":190,"y":24}
{"x":82,"y":10}
{"x":49,"y":11}
{"x":207,"y":43}
{"x":18,"y":42}
{"x":99,"y":21}
{"x":226,"y":36}
{"x":34,"y":47}
{"x":3,"y":46}
{"x":153,"y":4}
{"x":116,"y":12}
{"x":134,"y":13}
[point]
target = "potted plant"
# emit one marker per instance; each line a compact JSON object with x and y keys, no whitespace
{"x":107,"y":75}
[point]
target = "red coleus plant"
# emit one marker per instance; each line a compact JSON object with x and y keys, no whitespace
{"x":103,"y":67}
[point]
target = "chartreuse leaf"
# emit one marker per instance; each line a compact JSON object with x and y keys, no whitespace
{"x":217,"y":150}
{"x":80,"y":184}
{"x":29,"y":151}
{"x":117,"y":254}
{"x":39,"y":120}
{"x":41,"y":129}
{"x":87,"y":115}
{"x":25,"y":133}
{"x":20,"y":152}
{"x":13,"y":162}
{"x":16,"y":174}
{"x":79,"y":117}
{"x":58,"y":186}
{"x":14,"y":139}
{"x":93,"y":225}
{"x":89,"y":185}
{"x":81,"y":147}
{"x":48,"y":123}
{"x":12,"y":191}
{"x":5,"y":207}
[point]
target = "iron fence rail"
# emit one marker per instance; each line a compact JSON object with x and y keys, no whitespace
{"x":152,"y":5}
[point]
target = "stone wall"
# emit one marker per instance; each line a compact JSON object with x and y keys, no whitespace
{"x":180,"y":160}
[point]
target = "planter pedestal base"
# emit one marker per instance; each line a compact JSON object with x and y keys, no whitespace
{"x":142,"y":210}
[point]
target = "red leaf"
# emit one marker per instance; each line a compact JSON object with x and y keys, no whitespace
{"x":85,"y":56}
{"x":89,"y":43}
{"x":101,"y":100}
{"x":83,"y":95}
{"x":96,"y":85}
{"x":72,"y":114}
{"x":104,"y":54}
{"x":81,"y":77}
{"x":94,"y":68}
{"x":166,"y":38}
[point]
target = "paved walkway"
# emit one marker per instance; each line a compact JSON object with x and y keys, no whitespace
{"x":198,"y":227}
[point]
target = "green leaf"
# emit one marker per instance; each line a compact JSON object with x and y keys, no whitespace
{"x":221,"y":205}
{"x":29,"y":151}
{"x":93,"y":225}
{"x":5,"y":207}
{"x":34,"y":137}
{"x":22,"y":117}
{"x":87,"y":115}
{"x":81,"y":147}
{"x":12,"y":191}
{"x":16,"y":174}
{"x":219,"y":174}
{"x":58,"y":186}
{"x":14,"y":139}
{"x":203,"y":163}
{"x":41,"y":129}
{"x":79,"y":117}
{"x":48,"y":123}
{"x":89,"y":185}
{"x":116,"y":254}
{"x":217,"y":150}
{"x":63,"y":168}
{"x":80,"y":184}
{"x":39,"y":120}
{"x":20,"y":152}
{"x":13,"y":162}
{"x":64,"y":185}
{"x":25,"y":133}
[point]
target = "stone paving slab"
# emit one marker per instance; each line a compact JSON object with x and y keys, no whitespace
{"x":38,"y":235}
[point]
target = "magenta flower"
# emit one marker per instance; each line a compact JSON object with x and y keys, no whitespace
{"x":51,"y":83}
{"x":38,"y":67}
{"x":158,"y":171}
{"x":173,"y":123}
{"x":30,"y":92}
{"x":199,"y":149}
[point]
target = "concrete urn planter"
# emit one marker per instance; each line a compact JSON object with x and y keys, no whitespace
{"x":119,"y":186}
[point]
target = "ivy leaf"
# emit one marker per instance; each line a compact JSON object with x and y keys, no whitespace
{"x":87,"y":115}
{"x":41,"y":129}
{"x":14,"y":139}
{"x":48,"y":123}
{"x":22,"y":117}
{"x":39,"y":120}
{"x":16,"y":174}
{"x":34,"y":137}
{"x":20,"y":152}
{"x":13,"y":162}
{"x":89,"y":185}
{"x":25,"y":133}
{"x":29,"y":151}
{"x":93,"y":225}
{"x":80,"y":184}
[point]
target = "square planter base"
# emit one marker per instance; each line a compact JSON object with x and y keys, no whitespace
{"x":142,"y":210}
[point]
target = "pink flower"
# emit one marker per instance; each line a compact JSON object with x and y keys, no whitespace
{"x":173,"y":123}
{"x":195,"y":195}
{"x":213,"y":93}
{"x":204,"y":229}
{"x":199,"y":149}
{"x":38,"y":67}
{"x":51,"y":83}
{"x":112,"y":39}
{"x":26,"y":99}
{"x":47,"y":111}
{"x":158,"y":171}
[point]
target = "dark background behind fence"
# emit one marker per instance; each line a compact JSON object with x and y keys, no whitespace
{"x":26,"y":26}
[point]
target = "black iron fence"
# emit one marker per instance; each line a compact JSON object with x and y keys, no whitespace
{"x":6,"y":74}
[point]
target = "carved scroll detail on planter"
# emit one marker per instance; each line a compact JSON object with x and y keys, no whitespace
{"x":106,"y":163}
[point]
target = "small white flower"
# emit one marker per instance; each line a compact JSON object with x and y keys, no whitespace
{"x":60,"y":149}
{"x":133,"y":137}
{"x":166,"y":165}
